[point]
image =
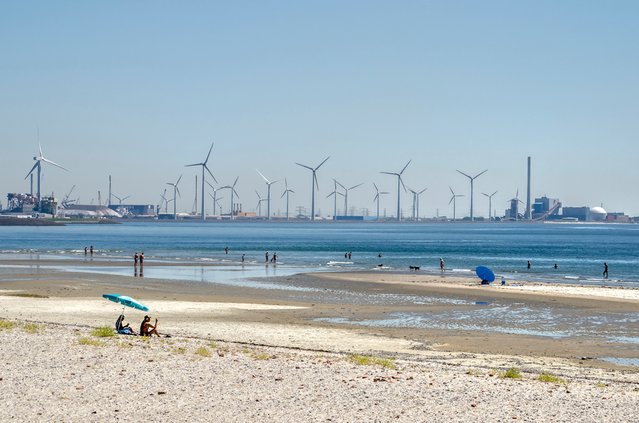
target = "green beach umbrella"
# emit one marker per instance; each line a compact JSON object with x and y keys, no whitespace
{"x":125,"y":300}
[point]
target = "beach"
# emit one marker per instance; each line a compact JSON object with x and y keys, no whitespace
{"x":273,"y":356}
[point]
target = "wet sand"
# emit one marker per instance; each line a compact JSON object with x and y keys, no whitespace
{"x":441,"y":375}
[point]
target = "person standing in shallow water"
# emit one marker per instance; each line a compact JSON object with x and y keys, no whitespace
{"x":529,"y":265}
{"x":441,"y":264}
{"x":266,"y":255}
{"x":605,"y":272}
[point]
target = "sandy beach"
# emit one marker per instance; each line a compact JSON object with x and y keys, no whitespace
{"x":273,"y":357}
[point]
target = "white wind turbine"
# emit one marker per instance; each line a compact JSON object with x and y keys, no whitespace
{"x":453,"y":199}
{"x":472,"y":180}
{"x":176,"y":192}
{"x":204,"y":166}
{"x":214,"y":197}
{"x":258,"y":207}
{"x":268,"y":195}
{"x":286,"y":192}
{"x":335,"y":193}
{"x":416,"y":195}
{"x":346,"y":195}
{"x":490,"y":204}
{"x":378,"y":193}
{"x":233,"y":194}
{"x":399,"y":181}
{"x":120,"y":200}
{"x":313,"y":184}
{"x":38,"y":165}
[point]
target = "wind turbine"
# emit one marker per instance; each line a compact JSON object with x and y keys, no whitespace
{"x":38,"y":165}
{"x":346,"y":195}
{"x":399,"y":181}
{"x":514,"y":204}
{"x":120,"y":199}
{"x":286,"y":192}
{"x":453,"y":199}
{"x":204,"y":166}
{"x":176,"y":192}
{"x":214,"y":197}
{"x":260,"y":200}
{"x":313,"y":184}
{"x":490,"y":204}
{"x":268,"y":195}
{"x":233,"y":194}
{"x":472,"y":180}
{"x":377,"y":194}
{"x":335,"y":193}
{"x":416,"y":195}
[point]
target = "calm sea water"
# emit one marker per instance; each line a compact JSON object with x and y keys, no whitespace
{"x":579,"y":250}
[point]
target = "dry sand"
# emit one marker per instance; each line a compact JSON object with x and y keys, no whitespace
{"x":273,"y":362}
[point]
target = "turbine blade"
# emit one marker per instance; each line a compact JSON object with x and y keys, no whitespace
{"x":405,"y":167}
{"x":235,"y":192}
{"x":178,"y":181}
{"x":402,"y":182}
{"x":355,"y":186}
{"x":375,"y":185}
{"x":451,"y":200}
{"x":194,"y":164}
{"x":422,"y":191}
{"x":263,"y":177}
{"x":479,"y":174}
{"x":376,"y":197}
{"x":337,"y":182}
{"x":32,"y":169}
{"x":308,"y":167}
{"x":235,"y":183}
{"x":315,"y":180}
{"x":210,"y":173}
{"x":463,"y":174}
{"x":178,"y":191}
{"x":39,"y":145}
{"x":209,"y":184}
{"x":390,"y":173}
{"x":451,"y":190}
{"x":53,"y":163}
{"x":208,"y":155}
{"x":320,"y":165}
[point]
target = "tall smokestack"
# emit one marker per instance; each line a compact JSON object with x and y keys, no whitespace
{"x":110,"y":191}
{"x":528,"y":215}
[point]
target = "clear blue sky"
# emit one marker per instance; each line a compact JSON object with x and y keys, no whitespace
{"x":139,"y":89}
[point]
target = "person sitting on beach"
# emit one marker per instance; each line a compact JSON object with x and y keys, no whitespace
{"x":147,"y":329}
{"x":121,"y":328}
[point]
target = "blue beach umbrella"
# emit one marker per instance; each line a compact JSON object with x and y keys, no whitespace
{"x":485,"y":274}
{"x":127,"y":301}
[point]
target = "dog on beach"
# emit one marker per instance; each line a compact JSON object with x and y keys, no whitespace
{"x":415,"y":268}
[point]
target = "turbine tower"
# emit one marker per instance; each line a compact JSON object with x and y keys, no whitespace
{"x":490,"y":204}
{"x":176,"y":192}
{"x":268,"y":194}
{"x":335,"y":193}
{"x":472,"y":180}
{"x":346,"y":195}
{"x":453,"y":199}
{"x":204,"y":167}
{"x":233,"y":194}
{"x":399,"y":181}
{"x":376,"y":198}
{"x":38,"y":165}
{"x":313,"y":184}
{"x":286,"y":192}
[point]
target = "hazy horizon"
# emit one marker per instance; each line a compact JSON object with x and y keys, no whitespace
{"x":139,"y":90}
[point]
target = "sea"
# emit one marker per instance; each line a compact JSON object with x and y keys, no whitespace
{"x":579,"y":251}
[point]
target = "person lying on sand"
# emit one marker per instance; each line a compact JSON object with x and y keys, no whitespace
{"x":121,"y":328}
{"x":147,"y":329}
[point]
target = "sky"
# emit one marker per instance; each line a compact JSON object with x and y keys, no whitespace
{"x":139,"y":89}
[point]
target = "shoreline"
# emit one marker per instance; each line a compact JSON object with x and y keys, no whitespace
{"x":266,"y":355}
{"x":60,"y":297}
